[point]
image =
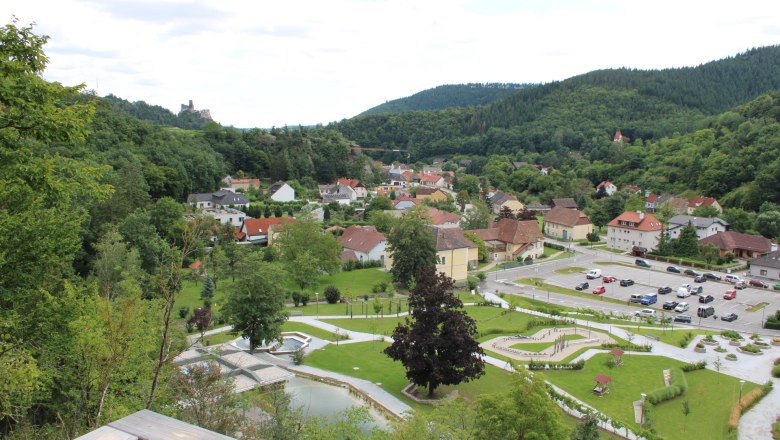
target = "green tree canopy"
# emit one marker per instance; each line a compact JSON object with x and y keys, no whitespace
{"x":411,"y":246}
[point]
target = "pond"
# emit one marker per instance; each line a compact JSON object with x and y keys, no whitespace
{"x":318,"y":399}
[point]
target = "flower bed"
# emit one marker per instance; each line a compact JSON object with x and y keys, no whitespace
{"x":750,"y":349}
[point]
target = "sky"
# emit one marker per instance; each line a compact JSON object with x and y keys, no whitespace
{"x":259,"y":63}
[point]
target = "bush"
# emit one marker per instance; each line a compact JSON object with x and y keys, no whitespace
{"x":541,"y":365}
{"x":750,"y":348}
{"x":731,"y":334}
{"x":699,"y":345}
{"x":677,"y":385}
{"x":731,"y":356}
{"x":473,"y":282}
{"x":697,"y":366}
{"x":547,"y":323}
{"x":379,"y":287}
{"x":184,"y":311}
{"x":776,"y":371}
{"x":332,"y":294}
{"x":304,"y":299}
{"x":686,"y":340}
{"x":298,"y":356}
{"x":296,"y":297}
{"x":646,"y":348}
{"x":481,"y":276}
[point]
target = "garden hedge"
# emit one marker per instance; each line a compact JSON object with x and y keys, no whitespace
{"x":677,"y":385}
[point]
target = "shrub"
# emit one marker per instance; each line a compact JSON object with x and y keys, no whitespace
{"x":744,"y":404}
{"x":481,"y":276}
{"x":731,"y":334}
{"x":645,"y":348}
{"x":473,"y":283}
{"x":184,"y":311}
{"x":699,"y":345}
{"x":776,"y":371}
{"x":693,"y":367}
{"x":686,"y":340}
{"x":332,"y":294}
{"x":720,"y":349}
{"x":677,"y":385}
{"x":731,"y":356}
{"x":546,"y":323}
{"x":541,"y":365}
{"x":709,"y":338}
{"x":298,"y":356}
{"x":304,"y":299}
{"x":296,"y":297}
{"x":379,"y":287}
{"x":750,"y":348}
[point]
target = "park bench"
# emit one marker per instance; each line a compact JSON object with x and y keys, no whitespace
{"x":653,"y":337}
{"x":296,"y":313}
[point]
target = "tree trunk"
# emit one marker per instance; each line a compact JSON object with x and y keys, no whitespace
{"x":431,"y":389}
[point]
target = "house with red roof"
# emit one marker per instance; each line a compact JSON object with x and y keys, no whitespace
{"x":510,"y":239}
{"x":634,"y":232}
{"x":741,"y":245}
{"x":363,"y":243}
{"x":703,"y":202}
{"x":356,"y":185}
{"x":432,"y":179}
{"x":608,"y":187}
{"x":257,"y":230}
{"x":443,"y":219}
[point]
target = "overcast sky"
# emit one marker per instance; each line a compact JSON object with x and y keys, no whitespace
{"x":265,"y":63}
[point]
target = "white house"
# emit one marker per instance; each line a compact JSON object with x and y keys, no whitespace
{"x":227,"y":216}
{"x":256,"y":230}
{"x":608,"y":187}
{"x":281,"y":192}
{"x":634,"y":231}
{"x":767,"y":266}
{"x":360,"y":190}
{"x":363,"y":243}
{"x":705,"y":226}
{"x":221,"y":199}
{"x":340,"y":193}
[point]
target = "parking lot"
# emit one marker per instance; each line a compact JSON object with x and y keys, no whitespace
{"x":646,"y":281}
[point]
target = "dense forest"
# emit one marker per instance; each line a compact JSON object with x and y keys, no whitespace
{"x":579,"y":114}
{"x":448,"y":96}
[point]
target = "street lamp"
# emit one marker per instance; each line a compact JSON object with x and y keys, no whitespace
{"x":741,"y":384}
{"x":317,"y":300}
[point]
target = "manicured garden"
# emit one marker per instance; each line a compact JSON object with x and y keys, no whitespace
{"x":669,"y":336}
{"x":541,"y":346}
{"x":354,"y":283}
{"x":710,"y":394}
{"x":375,"y":366}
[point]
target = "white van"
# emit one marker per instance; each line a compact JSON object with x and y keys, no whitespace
{"x":636,"y":298}
{"x":732,"y":278}
{"x":593,"y":274}
{"x":683,"y":292}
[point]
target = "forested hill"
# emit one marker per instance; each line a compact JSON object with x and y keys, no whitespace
{"x":447,"y":96}
{"x":157,"y":114}
{"x":578,"y":114}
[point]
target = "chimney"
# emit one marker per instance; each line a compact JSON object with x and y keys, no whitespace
{"x":641,"y":215}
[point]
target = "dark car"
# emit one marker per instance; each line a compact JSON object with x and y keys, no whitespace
{"x":663,"y":290}
{"x":627,"y":282}
{"x":711,"y":276}
{"x":706,"y":298}
{"x":670,"y":305}
{"x":581,"y":286}
{"x":757,"y":283}
{"x":729,"y":317}
{"x":691,"y":272}
{"x":674,"y":269}
{"x":700,"y":279}
{"x":642,"y":263}
{"x":683,"y":318}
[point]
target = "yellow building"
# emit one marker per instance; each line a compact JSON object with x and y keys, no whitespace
{"x":454,"y":253}
{"x":501,"y":200}
{"x":567,"y":224}
{"x":434,"y":194}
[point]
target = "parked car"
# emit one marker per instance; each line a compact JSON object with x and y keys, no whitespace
{"x":706,"y":298}
{"x":682,"y":307}
{"x":757,"y":283}
{"x":712,"y":276}
{"x":730,"y":294}
{"x":599,"y":290}
{"x":609,"y":279}
{"x":740,"y":285}
{"x":670,"y":305}
{"x":729,"y":317}
{"x":705,"y":311}
{"x":629,"y":282}
{"x":674,"y":269}
{"x":683,"y":292}
{"x":642,"y":263}
{"x":663,"y":290}
{"x":649,"y":298}
{"x":691,"y":272}
{"x":645,"y":313}
{"x":700,"y":279}
{"x":581,"y":286}
{"x":777,"y":286}
{"x":732,"y":278}
{"x":593,"y":274}
{"x":696,"y":290}
{"x":683,"y":318}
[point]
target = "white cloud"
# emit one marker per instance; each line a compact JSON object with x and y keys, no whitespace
{"x":310,"y":61}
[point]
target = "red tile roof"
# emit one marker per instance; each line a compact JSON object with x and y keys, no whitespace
{"x":352,"y":183}
{"x":429,"y":178}
{"x":195,"y":264}
{"x":361,"y":238}
{"x":511,"y":231}
{"x":728,"y":240}
{"x":566,"y":217}
{"x":652,"y":198}
{"x":259,"y":226}
{"x":439,"y":217}
{"x":407,"y":199}
{"x":637,"y":221}
{"x":699,"y":201}
{"x":427,"y":191}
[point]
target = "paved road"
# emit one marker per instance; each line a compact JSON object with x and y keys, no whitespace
{"x":647,"y":280}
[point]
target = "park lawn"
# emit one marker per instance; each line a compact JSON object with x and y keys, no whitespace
{"x":355,"y":282}
{"x":292,"y":326}
{"x":375,"y":366}
{"x":539,"y":346}
{"x":190,"y":296}
{"x":710,"y":394}
{"x":373,"y":325}
{"x":219,"y":338}
{"x":358,"y":307}
{"x":668,"y":336}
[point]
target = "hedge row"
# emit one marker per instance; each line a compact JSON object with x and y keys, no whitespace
{"x":646,"y":348}
{"x":541,"y":365}
{"x":693,"y":367}
{"x":547,"y":323}
{"x":677,"y":386}
{"x":772,"y":323}
{"x":555,"y":246}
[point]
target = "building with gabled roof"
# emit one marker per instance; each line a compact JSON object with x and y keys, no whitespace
{"x":634,"y":232}
{"x":257,"y":230}
{"x":454,"y":253}
{"x":363,"y":243}
{"x":705,"y":226}
{"x":739,"y":244}
{"x":500,"y":200}
{"x":360,"y":190}
{"x":281,"y":192}
{"x":703,"y":202}
{"x":567,"y":224}
{"x":430,"y":193}
{"x":608,"y":187}
{"x":767,"y":266}
{"x":432,"y":179}
{"x":567,"y":202}
{"x":509,"y":239}
{"x":443,"y":219}
{"x":403,"y":203}
{"x":223,"y":198}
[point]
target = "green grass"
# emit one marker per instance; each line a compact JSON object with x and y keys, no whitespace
{"x":571,"y":423}
{"x":608,"y":249}
{"x":710,"y":394}
{"x":377,"y":326}
{"x":357,"y":307}
{"x":190,"y":296}
{"x":291,"y":326}
{"x":757,"y":307}
{"x":354,"y":283}
{"x":668,"y":336}
{"x":375,"y":366}
{"x":570,"y":270}
{"x":541,"y":346}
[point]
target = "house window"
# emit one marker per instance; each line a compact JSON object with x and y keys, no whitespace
{"x":762,"y":272}
{"x":443,"y":260}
